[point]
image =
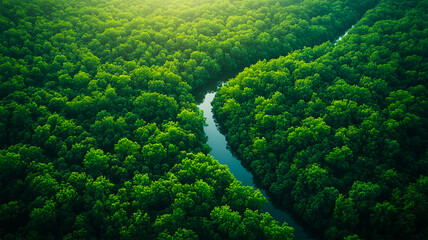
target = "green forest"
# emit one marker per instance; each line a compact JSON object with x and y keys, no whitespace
{"x":338,"y":132}
{"x":101,"y":137}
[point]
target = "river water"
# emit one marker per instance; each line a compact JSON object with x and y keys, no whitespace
{"x":346,"y":33}
{"x":220,"y":152}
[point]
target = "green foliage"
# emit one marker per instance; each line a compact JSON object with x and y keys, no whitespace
{"x":96,"y":163}
{"x":100,"y":135}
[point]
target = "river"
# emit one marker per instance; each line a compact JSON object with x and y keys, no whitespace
{"x":221,"y":153}
{"x":346,"y":33}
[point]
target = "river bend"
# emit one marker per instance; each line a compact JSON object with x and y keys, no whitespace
{"x":221,"y":153}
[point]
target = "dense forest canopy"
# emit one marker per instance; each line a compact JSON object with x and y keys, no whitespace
{"x":338,"y":132}
{"x":100,"y":136}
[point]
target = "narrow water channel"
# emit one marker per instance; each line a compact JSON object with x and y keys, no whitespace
{"x":346,"y":33}
{"x":220,"y":152}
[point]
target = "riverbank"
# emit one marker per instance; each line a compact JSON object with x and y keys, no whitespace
{"x":220,"y":152}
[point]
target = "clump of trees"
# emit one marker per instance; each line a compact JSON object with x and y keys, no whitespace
{"x":338,"y":132}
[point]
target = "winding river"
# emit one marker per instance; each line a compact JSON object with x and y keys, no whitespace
{"x":220,"y":151}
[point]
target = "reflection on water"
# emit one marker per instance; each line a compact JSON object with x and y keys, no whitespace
{"x":220,"y":152}
{"x":340,"y":38}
